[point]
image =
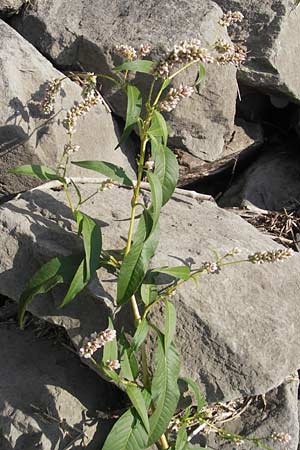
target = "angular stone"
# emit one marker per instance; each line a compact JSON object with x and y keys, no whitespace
{"x":42,"y":385}
{"x":272,"y":182}
{"x":233,"y":327}
{"x":28,"y":136}
{"x":270,"y":32}
{"x":84,"y":36}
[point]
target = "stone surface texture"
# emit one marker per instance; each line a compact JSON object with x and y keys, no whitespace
{"x":270,"y":32}
{"x":276,"y":412}
{"x":43,"y":384}
{"x":232,"y":329}
{"x":8,"y":7}
{"x":272,"y":182}
{"x":84,"y":35}
{"x":27,"y":135}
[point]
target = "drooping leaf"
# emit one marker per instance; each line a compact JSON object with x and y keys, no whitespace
{"x":181,"y":272}
{"x":158,"y":127}
{"x":156,"y":197}
{"x":181,"y":439}
{"x":139,"y":65}
{"x":198,"y":394}
{"x":166,"y":168}
{"x":201,"y":76}
{"x":134,"y":106}
{"x":164,"y":389}
{"x":60,"y":269}
{"x":78,"y":283}
{"x":92,"y":240}
{"x":140,"y":335}
{"x":108,"y":169}
{"x":137,"y":399}
{"x":170,"y":324}
{"x":38,"y":171}
{"x":135,"y":266}
{"x":128,"y":433}
{"x":110,"y":350}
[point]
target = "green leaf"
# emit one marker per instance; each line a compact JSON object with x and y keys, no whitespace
{"x":156,"y":196}
{"x":134,"y":106}
{"x":110,"y":350}
{"x":108,"y":169}
{"x":181,"y":272}
{"x":126,"y":369}
{"x":181,"y":439}
{"x":158,"y":127}
{"x":148,"y":291}
{"x":170,"y":324}
{"x":143,"y":66}
{"x":140,"y":335}
{"x":164,"y":390}
{"x":78,"y":283}
{"x":137,"y":399}
{"x":135,"y":263}
{"x":166,"y":168}
{"x":195,"y":388}
{"x":38,"y":171}
{"x":165,"y":84}
{"x":201,"y":76}
{"x":128,"y":433}
{"x":92,"y":240}
{"x":60,"y":269}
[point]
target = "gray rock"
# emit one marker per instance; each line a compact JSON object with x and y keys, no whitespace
{"x":232,"y":329}
{"x":270,"y":32}
{"x":27,"y":135}
{"x":272,"y":182}
{"x":47,"y":398}
{"x":83,"y":35}
{"x":8,"y":7}
{"x":277,"y":412}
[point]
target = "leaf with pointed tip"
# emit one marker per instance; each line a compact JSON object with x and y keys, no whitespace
{"x":201,"y":76}
{"x":166,"y":168}
{"x":139,"y":65}
{"x":110,"y":350}
{"x":38,"y":171}
{"x":198,"y":394}
{"x":181,"y":439}
{"x":158,"y":127}
{"x":170,"y":324}
{"x":164,"y":389}
{"x":92,"y":240}
{"x":181,"y":272}
{"x":156,"y":197}
{"x":60,"y":269}
{"x":108,"y":169}
{"x":128,"y":433}
{"x":78,"y":283}
{"x":137,"y":399}
{"x":134,"y":107}
{"x":140,"y":335}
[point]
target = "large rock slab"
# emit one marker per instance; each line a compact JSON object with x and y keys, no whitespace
{"x":29,"y":136}
{"x":47,"y":398}
{"x":270,"y":31}
{"x":271,"y":182}
{"x":232,"y":329}
{"x":84,"y":35}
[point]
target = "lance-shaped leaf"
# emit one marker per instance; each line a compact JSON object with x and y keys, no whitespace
{"x":38,"y":171}
{"x":140,"y":335}
{"x":60,"y":269}
{"x":198,"y":394}
{"x":108,"y":169}
{"x":78,"y":283}
{"x":156,"y":196}
{"x":143,"y":66}
{"x":110,"y":351}
{"x":164,"y":390}
{"x":166,"y":168}
{"x":137,"y":399}
{"x":134,"y":106}
{"x":128,"y":433}
{"x":201,"y":76}
{"x":170,"y":324}
{"x":181,"y":440}
{"x":181,"y":272}
{"x":134,"y":267}
{"x":158,"y":127}
{"x":92,"y":240}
